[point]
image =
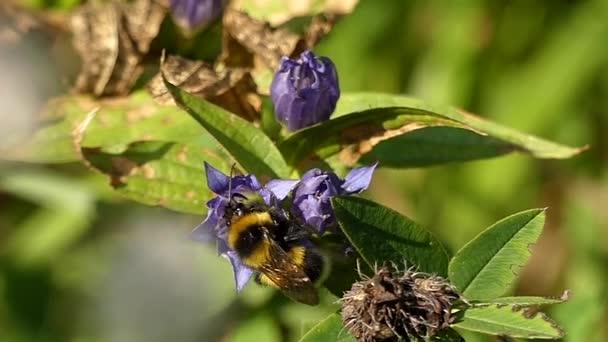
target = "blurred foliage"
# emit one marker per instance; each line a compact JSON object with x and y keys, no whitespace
{"x":78,"y":263}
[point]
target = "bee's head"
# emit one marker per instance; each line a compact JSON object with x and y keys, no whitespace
{"x":242,"y":203}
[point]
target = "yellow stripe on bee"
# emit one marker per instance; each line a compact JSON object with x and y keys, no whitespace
{"x":259,"y":256}
{"x":297,"y":254}
{"x":264,"y":280}
{"x":243,"y":223}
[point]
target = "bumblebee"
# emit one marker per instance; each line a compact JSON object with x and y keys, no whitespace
{"x":279,"y":249}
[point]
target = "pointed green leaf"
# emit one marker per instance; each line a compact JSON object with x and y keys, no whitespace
{"x":249,"y":146}
{"x":509,"y":321}
{"x":167,"y":174}
{"x":381,"y":234}
{"x":377,"y":125}
{"x":485,"y":267}
{"x":330,"y":329}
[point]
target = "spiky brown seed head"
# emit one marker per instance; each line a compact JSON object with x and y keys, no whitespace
{"x":395,"y":305}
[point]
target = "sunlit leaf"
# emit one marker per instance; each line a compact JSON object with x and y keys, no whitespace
{"x":249,"y":146}
{"x":509,"y":321}
{"x":368,"y":123}
{"x":382,"y":235}
{"x":330,"y":329}
{"x":486,"y":266}
{"x":116,"y":124}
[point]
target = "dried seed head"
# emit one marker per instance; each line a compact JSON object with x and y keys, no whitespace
{"x":393,"y":305}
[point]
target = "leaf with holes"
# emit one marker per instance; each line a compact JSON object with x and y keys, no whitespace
{"x":510,"y":321}
{"x":486,"y":266}
{"x":116,"y":124}
{"x":404,"y":132}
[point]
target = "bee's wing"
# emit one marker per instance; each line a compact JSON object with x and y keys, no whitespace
{"x":288,"y":276}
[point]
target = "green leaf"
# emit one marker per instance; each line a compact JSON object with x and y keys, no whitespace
{"x":381,"y":234}
{"x":485,"y":267}
{"x":330,"y":329}
{"x":249,"y":146}
{"x":167,"y":174}
{"x":509,"y":321}
{"x":117,"y":123}
{"x":366,"y":123}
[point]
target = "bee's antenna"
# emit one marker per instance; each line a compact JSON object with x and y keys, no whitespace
{"x":230,"y":181}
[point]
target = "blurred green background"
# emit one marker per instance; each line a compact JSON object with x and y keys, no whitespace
{"x":78,"y":263}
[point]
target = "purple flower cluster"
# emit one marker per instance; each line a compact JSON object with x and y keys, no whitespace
{"x":305,"y":91}
{"x":310,"y":204}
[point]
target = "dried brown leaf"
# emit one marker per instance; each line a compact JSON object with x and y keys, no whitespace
{"x":232,"y":89}
{"x":112,"y":40}
{"x":257,"y":38}
{"x":359,"y":140}
{"x":319,"y":27}
{"x":256,"y":45}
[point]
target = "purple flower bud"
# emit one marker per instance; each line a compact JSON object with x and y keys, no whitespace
{"x":194,"y":15}
{"x":305,"y":92}
{"x":311,"y":198}
{"x":214,"y":227}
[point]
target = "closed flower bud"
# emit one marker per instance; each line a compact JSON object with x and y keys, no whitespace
{"x":393,"y":305}
{"x":305,"y":91}
{"x":194,"y":15}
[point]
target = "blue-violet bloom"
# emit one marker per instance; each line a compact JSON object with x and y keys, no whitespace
{"x":194,"y":15}
{"x":304,"y":91}
{"x":311,"y":197}
{"x":214,"y":227}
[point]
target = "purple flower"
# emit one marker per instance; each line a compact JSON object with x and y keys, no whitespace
{"x":194,"y":15}
{"x":305,"y":92}
{"x":214,"y":227}
{"x":311,"y":196}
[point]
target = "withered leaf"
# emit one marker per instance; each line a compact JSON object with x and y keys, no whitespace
{"x":112,"y":40}
{"x":232,"y":89}
{"x":320,"y":25}
{"x":257,"y":38}
{"x":254,"y":44}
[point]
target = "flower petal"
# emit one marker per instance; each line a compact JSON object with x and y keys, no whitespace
{"x":207,"y":230}
{"x":216,"y":180}
{"x":242,"y":273}
{"x":281,"y":187}
{"x":358,"y":179}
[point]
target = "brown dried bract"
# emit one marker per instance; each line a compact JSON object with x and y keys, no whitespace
{"x":112,"y":40}
{"x":404,"y":306}
{"x":319,"y":27}
{"x":232,"y":89}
